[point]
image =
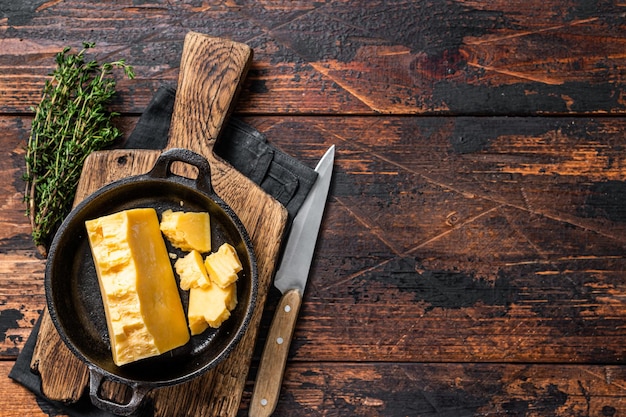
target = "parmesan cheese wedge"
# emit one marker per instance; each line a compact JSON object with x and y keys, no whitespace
{"x":144,"y":313}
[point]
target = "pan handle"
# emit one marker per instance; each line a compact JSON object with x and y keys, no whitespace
{"x":163,"y":167}
{"x":138,"y":392}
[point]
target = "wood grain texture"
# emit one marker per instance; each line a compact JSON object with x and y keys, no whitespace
{"x":462,"y":257}
{"x":388,"y":389}
{"x":418,"y":57}
{"x":206,"y":93}
{"x":425,"y":229}
{"x":471,"y":259}
{"x":63,"y":376}
{"x":480,"y":390}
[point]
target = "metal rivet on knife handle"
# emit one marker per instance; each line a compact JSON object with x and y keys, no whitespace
{"x":274,"y":358}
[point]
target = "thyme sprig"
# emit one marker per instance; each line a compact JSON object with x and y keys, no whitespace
{"x":71,"y":121}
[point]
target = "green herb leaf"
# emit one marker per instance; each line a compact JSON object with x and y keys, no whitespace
{"x":71,"y":121}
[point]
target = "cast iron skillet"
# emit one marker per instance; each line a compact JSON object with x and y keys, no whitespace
{"x":73,"y":296}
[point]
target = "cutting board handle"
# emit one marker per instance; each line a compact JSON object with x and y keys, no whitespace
{"x":211,"y":72}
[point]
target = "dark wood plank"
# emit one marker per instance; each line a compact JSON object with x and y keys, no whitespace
{"x":505,"y":247}
{"x":387,"y":389}
{"x":520,"y":266}
{"x":467,"y":264}
{"x":420,"y":57}
{"x":377,"y":389}
{"x":21,"y":269}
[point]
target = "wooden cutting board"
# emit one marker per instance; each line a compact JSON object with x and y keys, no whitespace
{"x":211,"y":72}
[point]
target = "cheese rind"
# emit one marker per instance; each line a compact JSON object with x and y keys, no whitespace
{"x":187,"y":230}
{"x":191,"y":271}
{"x":223,"y":265}
{"x":144,"y":313}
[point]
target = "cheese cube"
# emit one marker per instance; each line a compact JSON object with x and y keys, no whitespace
{"x":197,"y":323}
{"x":144,"y":313}
{"x":187,"y":230}
{"x":191,"y":271}
{"x":210,"y":305}
{"x":223,"y":265}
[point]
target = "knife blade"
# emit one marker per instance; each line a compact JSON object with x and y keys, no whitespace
{"x":291,"y":277}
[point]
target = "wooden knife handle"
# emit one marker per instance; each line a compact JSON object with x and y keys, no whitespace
{"x":272,"y":366}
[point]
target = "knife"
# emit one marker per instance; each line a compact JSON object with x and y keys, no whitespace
{"x":290,"y":279}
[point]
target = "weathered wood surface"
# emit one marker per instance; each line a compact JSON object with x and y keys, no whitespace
{"x":471,"y":259}
{"x":429,"y":253}
{"x":383,"y":389}
{"x":415,"y":57}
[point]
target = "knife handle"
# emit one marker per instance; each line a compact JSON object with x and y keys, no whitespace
{"x":272,"y":366}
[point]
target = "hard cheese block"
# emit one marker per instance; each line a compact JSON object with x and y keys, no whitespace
{"x":191,"y":271}
{"x":187,"y":230}
{"x":223,"y":265}
{"x":210,"y":306}
{"x":144,"y":313}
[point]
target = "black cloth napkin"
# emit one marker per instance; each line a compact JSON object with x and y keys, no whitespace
{"x":247,"y":150}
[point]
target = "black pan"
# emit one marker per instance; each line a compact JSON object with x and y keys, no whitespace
{"x":74,"y":300}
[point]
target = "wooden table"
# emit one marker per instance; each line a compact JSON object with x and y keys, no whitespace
{"x":471,"y":258}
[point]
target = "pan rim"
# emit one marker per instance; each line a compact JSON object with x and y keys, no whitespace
{"x":188,"y":186}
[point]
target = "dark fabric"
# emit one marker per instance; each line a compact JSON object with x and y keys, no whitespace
{"x":247,"y":150}
{"x":154,"y":124}
{"x":280,"y":175}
